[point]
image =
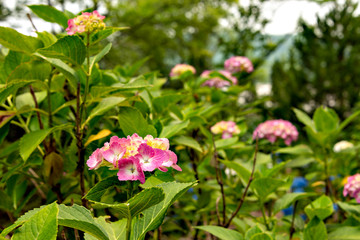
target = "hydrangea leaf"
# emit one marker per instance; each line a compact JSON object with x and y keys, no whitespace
{"x":222,"y":233}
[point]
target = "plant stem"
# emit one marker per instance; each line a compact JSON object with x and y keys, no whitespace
{"x":264,"y":215}
{"x":292,"y":228}
{"x":130,"y":190}
{"x":219,"y":180}
{"x":79,"y":144}
{"x":328,"y":191}
{"x":246,"y":188}
{"x":128,"y":228}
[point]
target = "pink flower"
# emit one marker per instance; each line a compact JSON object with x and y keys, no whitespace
{"x":352,"y":187}
{"x":134,"y":155}
{"x":226,"y":128}
{"x":179,"y":69}
{"x":115,"y":152}
{"x":95,"y":159}
{"x":274,"y":129}
{"x":238,"y":64}
{"x":218,"y":82}
{"x":170,"y":162}
{"x":150,"y":158}
{"x":130,"y":169}
{"x":86,"y":22}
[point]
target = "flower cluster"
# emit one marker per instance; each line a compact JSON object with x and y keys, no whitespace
{"x":238,"y":64}
{"x":352,"y":187}
{"x":342,"y":145}
{"x":218,"y":82}
{"x":86,"y":22}
{"x":179,"y":69}
{"x":273,"y":129}
{"x":226,"y":128}
{"x":134,"y":155}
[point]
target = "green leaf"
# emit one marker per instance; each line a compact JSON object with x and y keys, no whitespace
{"x":99,"y":56}
{"x":11,"y":88}
{"x":47,"y":38}
{"x":265,"y":185}
{"x":351,"y":209}
{"x":105,"y":105}
{"x":138,"y":203}
{"x":315,"y":230}
{"x":102,"y":34}
{"x":325,"y":119}
{"x":50,"y":14}
{"x":16,"y":41}
{"x":304,"y":118}
{"x":153,"y":217}
{"x":222,"y":233}
{"x":242,"y":171}
{"x":132,"y":121}
{"x":322,"y":208}
{"x":101,"y":187}
{"x":252,"y":231}
{"x":34,"y":70}
{"x":300,"y":149}
{"x":187,"y":141}
{"x":14,"y":59}
{"x":162,"y":103}
{"x":345,"y":233}
{"x":80,"y":218}
{"x":170,"y":130}
{"x":115,"y":230}
{"x":30,"y":141}
{"x":261,"y":236}
{"x":26,"y":99}
{"x":134,"y":84}
{"x":53,"y":168}
{"x":68,"y":48}
{"x":349,"y":120}
{"x":289,"y":198}
{"x":226,"y":143}
{"x":68,"y":72}
{"x":41,"y":226}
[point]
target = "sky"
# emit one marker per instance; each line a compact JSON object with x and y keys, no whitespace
{"x":283,"y":15}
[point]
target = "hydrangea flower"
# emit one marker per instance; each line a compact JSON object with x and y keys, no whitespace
{"x":226,"y":128}
{"x":238,"y":64}
{"x":342,"y":145}
{"x":179,"y":69}
{"x":134,"y":155}
{"x":352,"y":187}
{"x":218,"y":82}
{"x":86,"y":22}
{"x":274,"y":129}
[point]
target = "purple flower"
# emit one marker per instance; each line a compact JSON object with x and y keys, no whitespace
{"x":238,"y":64}
{"x":274,"y":129}
{"x":218,"y":82}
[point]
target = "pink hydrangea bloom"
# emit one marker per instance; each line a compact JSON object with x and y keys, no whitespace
{"x":134,"y":155}
{"x":352,"y":187}
{"x":86,"y":22}
{"x":226,"y":128}
{"x":218,"y":82}
{"x":238,"y":64}
{"x":274,"y":129}
{"x":179,"y":69}
{"x":130,"y":169}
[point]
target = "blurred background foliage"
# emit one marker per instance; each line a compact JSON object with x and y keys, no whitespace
{"x":316,"y":66}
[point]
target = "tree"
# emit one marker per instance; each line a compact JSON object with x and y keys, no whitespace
{"x":322,"y":68}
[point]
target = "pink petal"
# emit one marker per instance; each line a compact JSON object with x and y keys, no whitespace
{"x":95,"y":159}
{"x":130,"y":169}
{"x":150,"y":158}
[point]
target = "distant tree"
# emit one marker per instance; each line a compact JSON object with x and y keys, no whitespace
{"x":323,"y":67}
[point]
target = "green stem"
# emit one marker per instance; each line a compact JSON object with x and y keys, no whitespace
{"x":264,"y":216}
{"x":128,"y":228}
{"x":88,"y":74}
{"x":130,"y":190}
